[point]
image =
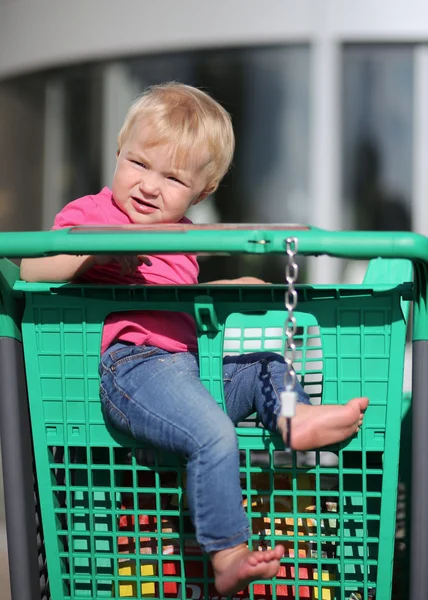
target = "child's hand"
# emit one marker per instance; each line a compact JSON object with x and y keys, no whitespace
{"x":128,"y":262}
{"x":248,"y":280}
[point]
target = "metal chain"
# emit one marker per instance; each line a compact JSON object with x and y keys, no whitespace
{"x":291,"y":272}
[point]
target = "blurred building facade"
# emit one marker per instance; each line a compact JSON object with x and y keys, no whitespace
{"x":329,"y":101}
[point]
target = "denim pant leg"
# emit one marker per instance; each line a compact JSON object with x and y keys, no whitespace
{"x":158,"y":398}
{"x":253,"y":383}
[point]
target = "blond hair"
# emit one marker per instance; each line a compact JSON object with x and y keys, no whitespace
{"x":189,"y":119}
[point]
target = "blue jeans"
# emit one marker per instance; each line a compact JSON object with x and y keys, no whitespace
{"x":157,"y":397}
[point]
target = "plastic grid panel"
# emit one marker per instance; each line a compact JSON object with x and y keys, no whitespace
{"x":92,"y":498}
{"x":115,"y":513}
{"x":318,"y":516}
{"x":256,"y":336}
{"x":41,"y":551}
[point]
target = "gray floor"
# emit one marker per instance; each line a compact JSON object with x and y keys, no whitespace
{"x":4,"y":566}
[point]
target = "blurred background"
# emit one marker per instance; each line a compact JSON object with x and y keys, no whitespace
{"x":329,"y":100}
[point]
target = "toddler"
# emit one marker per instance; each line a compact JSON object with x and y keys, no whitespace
{"x":175,"y":146}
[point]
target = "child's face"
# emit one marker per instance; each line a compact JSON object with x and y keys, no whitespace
{"x":149,"y":186}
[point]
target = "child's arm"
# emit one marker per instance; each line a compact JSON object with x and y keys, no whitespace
{"x":244,"y":280}
{"x":65,"y":267}
{"x":62,"y":267}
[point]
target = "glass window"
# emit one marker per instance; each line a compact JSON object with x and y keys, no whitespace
{"x":82,"y":94}
{"x":377,"y":136}
{"x":21,"y":153}
{"x":50,"y":138}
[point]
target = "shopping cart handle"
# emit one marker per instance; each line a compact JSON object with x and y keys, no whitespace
{"x":214,"y":239}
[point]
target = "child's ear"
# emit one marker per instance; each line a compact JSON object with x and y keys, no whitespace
{"x":204,"y":194}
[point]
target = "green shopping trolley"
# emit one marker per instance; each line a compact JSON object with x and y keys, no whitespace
{"x":114,"y":513}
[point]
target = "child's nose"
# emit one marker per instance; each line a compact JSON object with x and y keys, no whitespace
{"x":149,"y":184}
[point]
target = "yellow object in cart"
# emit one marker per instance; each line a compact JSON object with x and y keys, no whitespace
{"x":129,"y":590}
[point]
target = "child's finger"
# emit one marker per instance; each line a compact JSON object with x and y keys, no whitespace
{"x":129,"y":264}
{"x":144,"y":260}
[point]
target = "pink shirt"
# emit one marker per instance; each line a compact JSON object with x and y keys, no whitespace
{"x":172,"y":331}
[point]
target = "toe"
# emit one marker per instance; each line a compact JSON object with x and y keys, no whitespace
{"x":364,"y":402}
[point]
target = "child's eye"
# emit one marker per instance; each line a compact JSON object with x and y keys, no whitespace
{"x":172,"y":178}
{"x":140,"y":164}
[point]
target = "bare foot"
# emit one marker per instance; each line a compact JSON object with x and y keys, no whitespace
{"x":317,"y":426}
{"x":234,"y":568}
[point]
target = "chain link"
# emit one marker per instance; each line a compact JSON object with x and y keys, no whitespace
{"x":290,"y":326}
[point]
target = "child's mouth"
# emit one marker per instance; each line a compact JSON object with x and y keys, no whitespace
{"x":142,"y":206}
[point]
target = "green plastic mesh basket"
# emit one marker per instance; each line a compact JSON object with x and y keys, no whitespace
{"x":115,"y":515}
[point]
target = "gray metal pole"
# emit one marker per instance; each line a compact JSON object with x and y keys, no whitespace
{"x":419,"y":492}
{"x":17,"y":460}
